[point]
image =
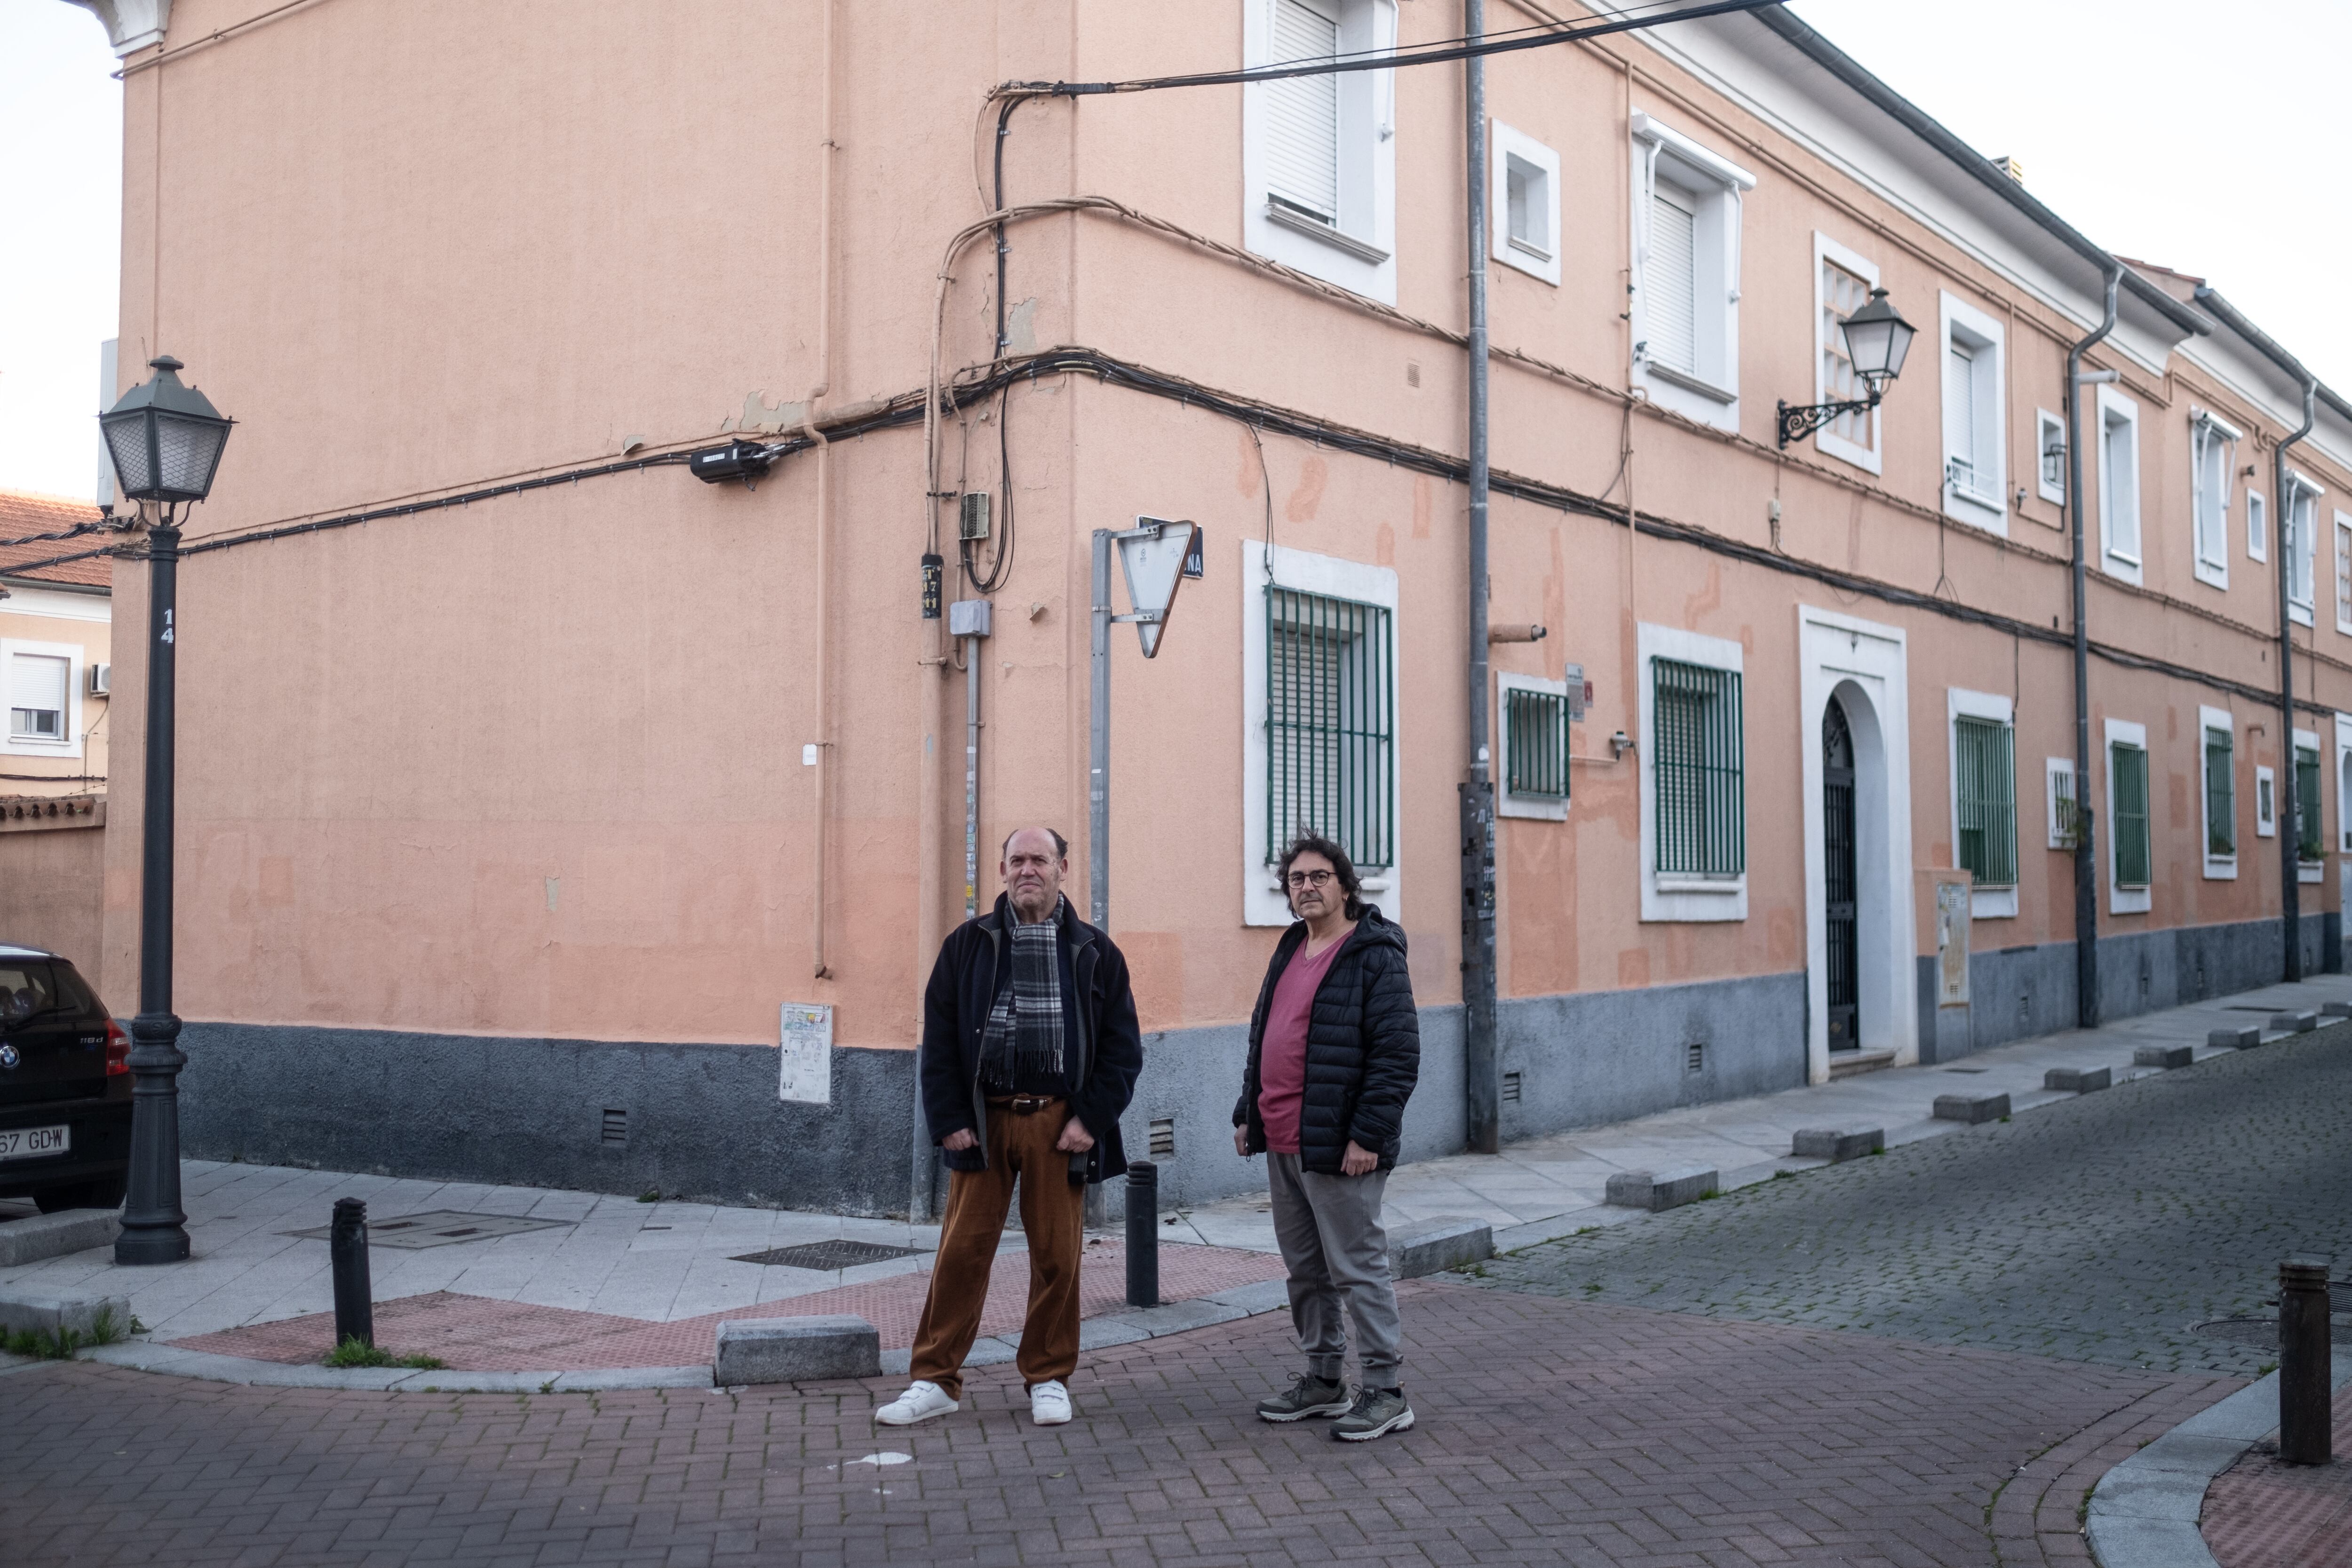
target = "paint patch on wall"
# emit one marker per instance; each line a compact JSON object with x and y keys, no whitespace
{"x":1021,"y":327}
{"x":1304,"y":501}
{"x":1634,"y":967}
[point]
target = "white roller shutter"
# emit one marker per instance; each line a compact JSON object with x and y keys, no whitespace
{"x":1302,"y":113}
{"x":1670,"y":280}
{"x":38,"y":684}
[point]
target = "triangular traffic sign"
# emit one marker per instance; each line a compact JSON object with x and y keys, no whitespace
{"x":1154,"y":564}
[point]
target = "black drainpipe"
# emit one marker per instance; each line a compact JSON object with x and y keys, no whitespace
{"x":2087,"y":858}
{"x":2290,"y":816}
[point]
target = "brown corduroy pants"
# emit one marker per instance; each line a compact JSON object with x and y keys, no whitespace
{"x":1053,"y":1214}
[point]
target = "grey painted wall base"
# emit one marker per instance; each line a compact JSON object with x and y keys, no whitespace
{"x":2016,"y":993}
{"x":703,"y":1120}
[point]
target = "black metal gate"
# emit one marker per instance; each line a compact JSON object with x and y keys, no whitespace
{"x":1838,"y":876}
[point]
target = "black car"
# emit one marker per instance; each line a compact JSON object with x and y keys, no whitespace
{"x":65,"y":1087}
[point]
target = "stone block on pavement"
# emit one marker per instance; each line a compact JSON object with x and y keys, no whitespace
{"x":1657,"y":1189}
{"x":2077,"y":1080}
{"x":1836,"y":1146}
{"x":24,"y":1310}
{"x":1434,"y":1246}
{"x":1971,"y":1108}
{"x":2295,"y":1023}
{"x":38,"y":1237}
{"x":2165,"y":1057}
{"x":2237,"y":1039}
{"x":2335,"y":1009}
{"x":795,"y":1350}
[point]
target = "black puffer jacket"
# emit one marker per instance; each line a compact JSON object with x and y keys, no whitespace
{"x":1363,"y":1048}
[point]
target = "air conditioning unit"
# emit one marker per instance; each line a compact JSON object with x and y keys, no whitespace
{"x":102,"y":679}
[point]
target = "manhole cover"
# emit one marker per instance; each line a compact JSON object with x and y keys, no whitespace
{"x":828,"y":1256}
{"x":441,"y":1228}
{"x":2262,"y":1333}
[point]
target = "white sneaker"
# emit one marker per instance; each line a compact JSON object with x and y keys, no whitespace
{"x":1049,"y":1403}
{"x":921,"y":1401}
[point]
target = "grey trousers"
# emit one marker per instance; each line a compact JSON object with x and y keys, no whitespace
{"x":1329,"y":1230}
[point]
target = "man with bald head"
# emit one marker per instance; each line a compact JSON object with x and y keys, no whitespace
{"x":1030,"y":1051}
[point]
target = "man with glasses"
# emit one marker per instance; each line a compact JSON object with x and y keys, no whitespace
{"x":1335,"y":1046}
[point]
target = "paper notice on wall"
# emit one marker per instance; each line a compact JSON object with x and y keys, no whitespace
{"x":1952,"y":924}
{"x":807,"y":1036}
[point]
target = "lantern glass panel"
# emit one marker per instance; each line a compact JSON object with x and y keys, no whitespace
{"x":188,"y":450}
{"x":126,"y":441}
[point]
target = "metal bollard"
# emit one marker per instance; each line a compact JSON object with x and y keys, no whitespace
{"x":2303,"y":1358}
{"x":347,"y":1247}
{"x":1144,"y":1234}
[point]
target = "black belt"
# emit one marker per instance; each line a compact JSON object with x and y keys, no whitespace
{"x":1026,"y":1104}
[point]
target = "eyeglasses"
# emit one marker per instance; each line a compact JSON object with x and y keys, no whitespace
{"x":1307,"y":879}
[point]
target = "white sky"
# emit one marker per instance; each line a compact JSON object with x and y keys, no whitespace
{"x":2167,"y":130}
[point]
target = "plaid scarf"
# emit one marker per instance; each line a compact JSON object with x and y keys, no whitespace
{"x":1022,"y":1040}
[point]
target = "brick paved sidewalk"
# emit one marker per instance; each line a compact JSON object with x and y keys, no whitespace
{"x":1550,"y":1432}
{"x":2260,"y":1513}
{"x":479,"y":1333}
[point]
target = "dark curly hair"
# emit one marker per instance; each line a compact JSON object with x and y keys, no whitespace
{"x":1341,"y":867}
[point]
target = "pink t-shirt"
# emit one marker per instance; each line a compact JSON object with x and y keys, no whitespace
{"x":1282,"y":1052}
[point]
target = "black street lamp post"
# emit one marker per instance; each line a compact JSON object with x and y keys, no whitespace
{"x":1876,"y":340}
{"x":165,"y":439}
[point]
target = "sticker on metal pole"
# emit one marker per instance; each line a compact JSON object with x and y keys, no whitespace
{"x":1153,"y":555}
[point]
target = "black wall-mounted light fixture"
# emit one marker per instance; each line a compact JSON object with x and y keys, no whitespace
{"x":1876,"y":340}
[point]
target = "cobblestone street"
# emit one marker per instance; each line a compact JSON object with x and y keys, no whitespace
{"x":2102,"y":1230}
{"x":1925,"y":1358}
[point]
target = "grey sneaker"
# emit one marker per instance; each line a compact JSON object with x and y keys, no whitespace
{"x":1308,"y":1395}
{"x":1377,"y":1411}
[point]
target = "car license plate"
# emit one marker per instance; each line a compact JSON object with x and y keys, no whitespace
{"x":35,"y":1142}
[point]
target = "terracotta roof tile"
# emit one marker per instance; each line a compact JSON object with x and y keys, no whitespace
{"x":24,"y":511}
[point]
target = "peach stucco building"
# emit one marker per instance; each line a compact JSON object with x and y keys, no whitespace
{"x":523,"y":797}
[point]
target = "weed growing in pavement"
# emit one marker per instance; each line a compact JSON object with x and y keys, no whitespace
{"x":60,"y":1344}
{"x":352,"y":1352}
{"x":650,"y":1195}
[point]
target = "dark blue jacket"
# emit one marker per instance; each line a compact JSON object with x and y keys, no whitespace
{"x":1102,"y":1052}
{"x":1363,"y":1047}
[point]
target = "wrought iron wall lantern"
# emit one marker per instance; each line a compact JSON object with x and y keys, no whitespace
{"x":1876,"y":340}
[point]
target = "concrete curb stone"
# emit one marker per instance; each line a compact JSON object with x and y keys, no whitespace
{"x":2080,"y":1080}
{"x":38,"y":1236}
{"x":1434,"y":1246}
{"x":795,"y":1350}
{"x":1836,"y":1146}
{"x":56,"y":1312}
{"x":1659,"y":1190}
{"x":2243,"y":1039}
{"x":2295,"y":1023}
{"x":2165,"y":1056}
{"x":1971,"y":1108}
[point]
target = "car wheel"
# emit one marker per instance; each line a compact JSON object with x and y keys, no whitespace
{"x":106,"y":1192}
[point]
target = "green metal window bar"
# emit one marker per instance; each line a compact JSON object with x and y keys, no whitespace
{"x":1984,"y":758}
{"x":2221,"y":793}
{"x":2127,"y":768}
{"x":1536,"y":753}
{"x":1696,"y":757}
{"x":1331,"y":724}
{"x":2310,"y":843}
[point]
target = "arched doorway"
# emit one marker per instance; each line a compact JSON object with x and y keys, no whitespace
{"x":1839,"y":878}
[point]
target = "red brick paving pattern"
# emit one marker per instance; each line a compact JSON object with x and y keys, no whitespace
{"x":1553,"y":1432}
{"x":2260,"y":1513}
{"x":477,"y":1334}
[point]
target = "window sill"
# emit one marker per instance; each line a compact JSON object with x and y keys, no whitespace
{"x":2213,"y":575}
{"x":1992,"y":904}
{"x":2221,"y":867}
{"x":2310,"y":870}
{"x":1722,"y":885}
{"x":1532,"y":808}
{"x":1361,"y":250}
{"x":1689,"y":382}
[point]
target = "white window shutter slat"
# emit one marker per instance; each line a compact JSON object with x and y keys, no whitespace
{"x":1303,"y":114}
{"x":1671,"y":311}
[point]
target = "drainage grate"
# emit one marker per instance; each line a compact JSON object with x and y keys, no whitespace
{"x":2262,"y":1333}
{"x":1510,"y":1088}
{"x":1163,"y":1138}
{"x":828,"y":1256}
{"x":617,"y":1126}
{"x":441,"y":1228}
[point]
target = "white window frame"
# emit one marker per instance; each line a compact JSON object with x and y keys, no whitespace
{"x":2205,"y":428}
{"x":1537,"y":807}
{"x":2052,"y":770}
{"x":1709,"y":390}
{"x":1828,"y":251}
{"x":1984,"y":903}
{"x":2313,"y":870}
{"x":1360,"y":253}
{"x":1986,"y":506}
{"x":1683,"y":899}
{"x":1263,"y":900}
{"x":2302,"y":542}
{"x":2218,"y":868}
{"x":2044,"y":423}
{"x":2128,"y":565}
{"x":2344,"y":782}
{"x":69,"y":745}
{"x":2123,"y":900}
{"x":2265,"y":802}
{"x":2343,"y":533}
{"x":1508,"y":143}
{"x":2258,"y":526}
